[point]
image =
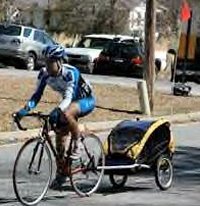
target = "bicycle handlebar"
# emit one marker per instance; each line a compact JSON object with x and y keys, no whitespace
{"x":34,"y":114}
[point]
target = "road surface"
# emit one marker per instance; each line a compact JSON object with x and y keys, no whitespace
{"x":139,"y":191}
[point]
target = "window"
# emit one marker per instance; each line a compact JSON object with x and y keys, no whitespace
{"x":10,"y":30}
{"x":95,"y":43}
{"x":27,"y":32}
{"x":128,"y":51}
{"x":48,"y":40}
{"x":113,"y":50}
{"x":122,"y":50}
{"x":85,"y":43}
{"x":38,"y":36}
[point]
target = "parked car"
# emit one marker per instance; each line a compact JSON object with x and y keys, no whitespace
{"x":89,"y":48}
{"x":122,"y":58}
{"x":21,"y":46}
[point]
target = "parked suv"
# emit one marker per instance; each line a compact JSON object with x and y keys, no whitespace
{"x":123,"y":59}
{"x":120,"y":58}
{"x":21,"y":46}
{"x":89,"y":48}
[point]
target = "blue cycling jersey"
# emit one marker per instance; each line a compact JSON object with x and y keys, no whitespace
{"x":69,"y":83}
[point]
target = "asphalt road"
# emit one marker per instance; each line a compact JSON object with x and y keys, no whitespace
{"x":160,"y":85}
{"x":140,"y":191}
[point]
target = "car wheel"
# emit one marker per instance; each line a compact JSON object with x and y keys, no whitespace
{"x":31,"y":62}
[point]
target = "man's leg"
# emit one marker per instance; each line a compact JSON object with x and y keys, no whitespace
{"x":60,"y":148}
{"x":71,"y":114}
{"x":61,"y":136}
{"x":76,"y":109}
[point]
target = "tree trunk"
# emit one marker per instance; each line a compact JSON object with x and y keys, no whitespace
{"x":112,"y":13}
{"x":149,"y":49}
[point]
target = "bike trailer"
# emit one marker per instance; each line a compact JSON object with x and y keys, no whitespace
{"x":143,"y":140}
{"x":140,"y":146}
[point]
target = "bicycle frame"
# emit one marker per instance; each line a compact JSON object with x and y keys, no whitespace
{"x":44,"y":137}
{"x":43,"y":145}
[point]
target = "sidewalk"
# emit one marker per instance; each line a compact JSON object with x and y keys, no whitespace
{"x":19,"y":136}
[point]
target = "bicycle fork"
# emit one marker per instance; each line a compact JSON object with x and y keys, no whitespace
{"x":35,"y":150}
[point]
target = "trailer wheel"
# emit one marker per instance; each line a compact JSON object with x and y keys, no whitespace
{"x":164,"y":172}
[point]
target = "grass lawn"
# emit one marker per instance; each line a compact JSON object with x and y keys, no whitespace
{"x":113,"y":102}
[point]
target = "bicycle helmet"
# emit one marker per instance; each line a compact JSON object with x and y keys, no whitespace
{"x":53,"y":52}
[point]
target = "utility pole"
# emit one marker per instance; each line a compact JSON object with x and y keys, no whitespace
{"x":150,"y":20}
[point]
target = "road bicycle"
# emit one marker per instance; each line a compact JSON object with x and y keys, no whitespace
{"x":32,"y":171}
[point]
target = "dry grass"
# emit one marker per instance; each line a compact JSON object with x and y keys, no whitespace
{"x":113,"y":102}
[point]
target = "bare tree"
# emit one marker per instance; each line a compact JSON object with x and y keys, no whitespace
{"x":92,"y":16}
{"x":3,"y":10}
{"x":8,"y":11}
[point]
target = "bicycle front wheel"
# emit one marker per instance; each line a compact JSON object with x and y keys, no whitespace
{"x":87,"y":172}
{"x":32,"y":172}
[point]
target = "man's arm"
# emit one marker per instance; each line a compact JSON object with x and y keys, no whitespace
{"x":32,"y":103}
{"x":69,"y":92}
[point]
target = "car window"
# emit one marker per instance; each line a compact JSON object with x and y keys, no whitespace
{"x":114,"y":50}
{"x":11,"y":30}
{"x":128,"y":51}
{"x":38,"y":36}
{"x":27,"y":32}
{"x":48,"y":40}
{"x":95,"y":43}
{"x":122,"y":50}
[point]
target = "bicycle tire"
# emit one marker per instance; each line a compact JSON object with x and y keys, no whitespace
{"x":35,"y":151}
{"x":87,"y":167}
{"x":164,"y":172}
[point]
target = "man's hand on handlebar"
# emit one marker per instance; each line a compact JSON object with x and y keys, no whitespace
{"x":17,"y":118}
{"x":21,"y":113}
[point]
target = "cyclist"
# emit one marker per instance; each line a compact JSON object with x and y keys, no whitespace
{"x":77,"y":101}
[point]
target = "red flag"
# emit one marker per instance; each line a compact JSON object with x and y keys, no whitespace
{"x":185,"y":11}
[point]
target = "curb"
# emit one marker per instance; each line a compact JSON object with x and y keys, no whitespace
{"x":174,"y":119}
{"x":19,"y":136}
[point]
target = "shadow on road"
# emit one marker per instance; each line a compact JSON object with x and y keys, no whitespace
{"x":187,"y":165}
{"x":110,"y":191}
{"x":8,"y":200}
{"x":186,"y":171}
{"x":186,"y":174}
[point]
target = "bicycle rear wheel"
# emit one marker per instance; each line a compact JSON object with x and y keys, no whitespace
{"x":32,"y":172}
{"x":85,"y":176}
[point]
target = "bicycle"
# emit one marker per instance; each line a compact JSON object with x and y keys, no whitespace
{"x":32,"y":170}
